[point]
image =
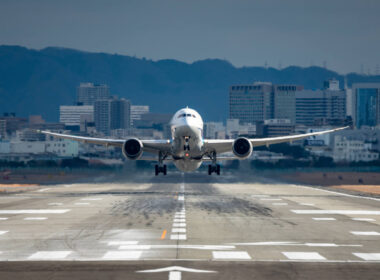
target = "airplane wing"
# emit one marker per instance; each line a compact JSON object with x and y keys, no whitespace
{"x":223,"y":146}
{"x":152,"y":146}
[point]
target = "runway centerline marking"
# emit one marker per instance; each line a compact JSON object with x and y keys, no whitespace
{"x":49,"y":255}
{"x":369,"y":233}
{"x":55,"y":204}
{"x":82,"y":203}
{"x":92,"y":199}
{"x":178,"y":230}
{"x":307,"y":204}
{"x":179,"y":224}
{"x":3,"y":218}
{"x":230,"y":255}
{"x":3,"y":232}
{"x":35,"y":211}
{"x":270,"y":199}
{"x":163,"y":234}
{"x":303,"y":256}
{"x":178,"y":236}
{"x":368,"y":256}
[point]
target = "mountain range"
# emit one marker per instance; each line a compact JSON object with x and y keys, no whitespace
{"x":38,"y":81}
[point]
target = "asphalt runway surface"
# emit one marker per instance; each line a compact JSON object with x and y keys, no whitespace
{"x":188,"y":226}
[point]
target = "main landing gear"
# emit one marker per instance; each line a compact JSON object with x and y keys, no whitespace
{"x":160,"y":167}
{"x":214,"y":167}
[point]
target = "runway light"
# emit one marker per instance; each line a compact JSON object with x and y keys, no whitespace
{"x":187,"y":154}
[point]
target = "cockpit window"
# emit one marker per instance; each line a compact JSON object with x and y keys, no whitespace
{"x":186,"y":115}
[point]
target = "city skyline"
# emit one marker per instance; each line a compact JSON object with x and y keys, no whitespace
{"x":245,"y":33}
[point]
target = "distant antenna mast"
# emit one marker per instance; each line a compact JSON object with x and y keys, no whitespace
{"x":266,"y":64}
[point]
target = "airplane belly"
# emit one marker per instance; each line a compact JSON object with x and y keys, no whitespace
{"x":187,"y":165}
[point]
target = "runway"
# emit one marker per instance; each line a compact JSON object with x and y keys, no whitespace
{"x":188,"y":226}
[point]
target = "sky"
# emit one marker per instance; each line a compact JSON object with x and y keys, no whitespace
{"x":344,"y":35}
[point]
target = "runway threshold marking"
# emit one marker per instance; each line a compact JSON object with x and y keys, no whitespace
{"x":3,"y":232}
{"x":363,"y":219}
{"x":324,"y":219}
{"x":43,"y":190}
{"x":49,"y":255}
{"x":230,"y":255}
{"x":303,"y":256}
{"x":122,"y":255}
{"x":163,"y":234}
{"x":368,"y":256}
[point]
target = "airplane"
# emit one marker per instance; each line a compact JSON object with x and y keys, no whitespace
{"x":187,"y":148}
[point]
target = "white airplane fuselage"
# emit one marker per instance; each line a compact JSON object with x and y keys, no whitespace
{"x":187,"y":139}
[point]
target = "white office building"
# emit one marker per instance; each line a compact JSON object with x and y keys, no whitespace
{"x":71,"y":115}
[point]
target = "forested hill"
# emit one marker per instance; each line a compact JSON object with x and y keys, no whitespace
{"x":38,"y":81}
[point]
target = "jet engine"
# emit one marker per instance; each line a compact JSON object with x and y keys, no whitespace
{"x":242,"y":148}
{"x":132,"y":148}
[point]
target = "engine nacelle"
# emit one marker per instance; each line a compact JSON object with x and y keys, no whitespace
{"x":242,"y":148}
{"x":132,"y":148}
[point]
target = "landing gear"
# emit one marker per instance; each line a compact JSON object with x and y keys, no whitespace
{"x":214,"y":167}
{"x":160,"y":167}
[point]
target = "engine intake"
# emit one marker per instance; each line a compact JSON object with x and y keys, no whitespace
{"x":132,"y":148}
{"x":242,"y":148}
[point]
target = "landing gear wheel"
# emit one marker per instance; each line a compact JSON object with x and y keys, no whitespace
{"x":156,"y":169}
{"x":218,"y":169}
{"x":214,"y":168}
{"x":164,"y":171}
{"x":209,"y":170}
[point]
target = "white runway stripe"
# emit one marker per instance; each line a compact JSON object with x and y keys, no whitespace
{"x":279,"y":204}
{"x":270,"y":199}
{"x":179,"y":224}
{"x":338,"y":212}
{"x":178,"y":236}
{"x":35,"y":211}
{"x":3,"y":218}
{"x":181,"y":197}
{"x":365,"y":233}
{"x":368,"y":256}
{"x":122,"y":255}
{"x":3,"y":232}
{"x":195,"y":247}
{"x":82,"y":203}
{"x":35,"y":218}
{"x":179,"y":220}
{"x":230,"y":255}
{"x":307,"y":204}
{"x":118,"y":243}
{"x":324,"y":219}
{"x":363,"y":219}
{"x":49,"y":255}
{"x":43,"y":190}
{"x":303,"y":256}
{"x":92,"y":199}
{"x":178,"y":230}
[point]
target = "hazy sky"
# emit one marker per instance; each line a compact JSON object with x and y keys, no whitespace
{"x":345,"y":34}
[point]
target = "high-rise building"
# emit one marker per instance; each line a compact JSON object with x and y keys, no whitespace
{"x":112,"y":114}
{"x":71,"y":115}
{"x":88,"y":93}
{"x":366,"y":104}
{"x":313,"y":105}
{"x":137,"y":111}
{"x":285,"y":101}
{"x":251,"y":103}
